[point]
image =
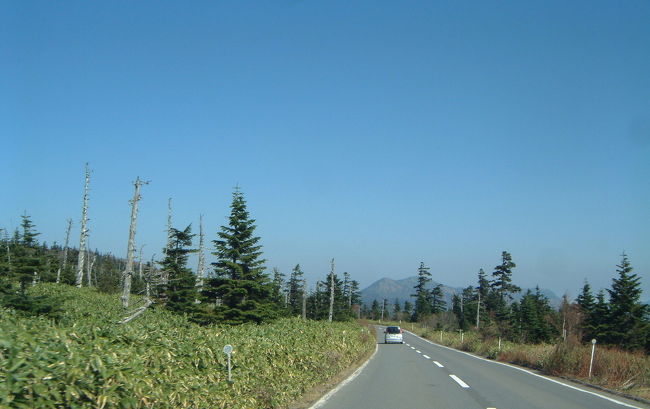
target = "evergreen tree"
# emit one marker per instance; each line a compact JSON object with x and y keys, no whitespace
{"x":587,"y":304}
{"x":438,"y":303}
{"x":27,"y":261}
{"x":355,"y":293}
{"x":241,"y":289}
{"x":502,"y":289}
{"x":627,"y":315}
{"x":375,"y":310}
{"x":277,"y":284}
{"x":408,"y":308}
{"x":397,"y":310}
{"x":29,"y":235}
{"x":179,"y":294}
{"x":340,"y":312}
{"x":295,"y":291}
{"x":598,"y":323}
{"x":423,"y":299}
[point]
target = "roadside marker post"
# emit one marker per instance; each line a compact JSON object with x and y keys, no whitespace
{"x":228,"y":351}
{"x":593,"y":350}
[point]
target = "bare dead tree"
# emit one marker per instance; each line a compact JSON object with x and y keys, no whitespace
{"x":201,"y":267}
{"x":127,"y":275}
{"x":83,"y":235}
{"x":140,"y":264}
{"x":91,"y":263}
{"x":65,"y":252}
{"x":6,"y":240}
{"x":165,"y":276}
{"x":331,"y":292}
{"x":478,"y":311}
{"x":304,"y":299}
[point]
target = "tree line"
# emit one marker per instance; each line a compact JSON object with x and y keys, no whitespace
{"x":236,"y":289}
{"x":615,"y":316}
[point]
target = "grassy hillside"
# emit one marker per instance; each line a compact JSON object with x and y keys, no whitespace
{"x":86,"y":360}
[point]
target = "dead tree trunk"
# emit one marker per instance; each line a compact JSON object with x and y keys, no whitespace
{"x":65,"y":252}
{"x":6,"y":240}
{"x":164,"y":277}
{"x":201,"y":267}
{"x":91,"y":263}
{"x":83,"y":235}
{"x":140,"y":263}
{"x":304,"y":299}
{"x":127,"y":275}
{"x":331,"y":293}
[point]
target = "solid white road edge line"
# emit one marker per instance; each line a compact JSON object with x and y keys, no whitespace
{"x":618,"y":402}
{"x":349,"y":379}
{"x":459,"y":381}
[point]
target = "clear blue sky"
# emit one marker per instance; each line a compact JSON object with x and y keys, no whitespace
{"x":380,"y":133}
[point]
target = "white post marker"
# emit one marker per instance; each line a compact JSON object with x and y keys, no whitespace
{"x":228,"y":351}
{"x":593,"y":350}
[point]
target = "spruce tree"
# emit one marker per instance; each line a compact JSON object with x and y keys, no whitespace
{"x":295,"y":291}
{"x":241,"y":290}
{"x":587,"y":304}
{"x":502,"y":289}
{"x":179,"y":292}
{"x":422,"y":294}
{"x":277,"y":284}
{"x":627,"y":324}
{"x":26,"y":261}
{"x":408,"y":308}
{"x":438,"y":303}
{"x":397,"y":310}
{"x":375,"y":310}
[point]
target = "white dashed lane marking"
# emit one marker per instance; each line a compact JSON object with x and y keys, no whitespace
{"x":439,"y":364}
{"x":459,"y":381}
{"x":418,"y":351}
{"x":426,"y":356}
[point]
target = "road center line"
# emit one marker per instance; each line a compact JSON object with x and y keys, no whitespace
{"x":459,"y":381}
{"x":426,"y":356}
{"x":439,"y":364}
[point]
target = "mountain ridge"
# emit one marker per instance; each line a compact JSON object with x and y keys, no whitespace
{"x":402,"y":290}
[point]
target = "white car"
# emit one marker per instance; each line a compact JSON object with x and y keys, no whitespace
{"x":393,"y":335}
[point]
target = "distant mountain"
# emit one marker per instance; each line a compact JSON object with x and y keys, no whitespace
{"x":402,"y":289}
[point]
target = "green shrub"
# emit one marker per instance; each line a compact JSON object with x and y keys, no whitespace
{"x":161,"y":360}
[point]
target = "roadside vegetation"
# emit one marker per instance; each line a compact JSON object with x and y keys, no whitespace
{"x":81,"y":357}
{"x":82,"y":329}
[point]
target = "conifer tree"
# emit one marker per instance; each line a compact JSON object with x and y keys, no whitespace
{"x":26,"y":258}
{"x":276,"y":288}
{"x":502,"y":289}
{"x":408,"y":308}
{"x":397,"y":310}
{"x":627,"y":324}
{"x":355,"y":293}
{"x":438,"y":303}
{"x":240,"y":289}
{"x":587,"y":304}
{"x":422,"y":294}
{"x":179,"y":292}
{"x":295,"y":291}
{"x":375,"y":310}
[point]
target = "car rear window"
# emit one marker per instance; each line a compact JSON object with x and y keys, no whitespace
{"x":393,"y":330}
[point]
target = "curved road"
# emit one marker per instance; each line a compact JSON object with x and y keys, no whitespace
{"x":420,"y":374}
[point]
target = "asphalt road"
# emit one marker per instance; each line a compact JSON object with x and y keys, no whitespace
{"x":420,"y":374}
